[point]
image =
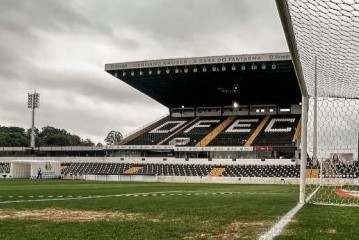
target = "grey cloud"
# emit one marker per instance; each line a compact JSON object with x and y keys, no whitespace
{"x":41,"y":40}
{"x":25,"y":16}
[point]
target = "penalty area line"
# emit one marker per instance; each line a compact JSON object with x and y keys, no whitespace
{"x":277,"y":228}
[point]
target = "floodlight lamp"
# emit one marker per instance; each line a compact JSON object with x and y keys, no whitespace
{"x":116,"y":74}
{"x":234,"y":67}
{"x":176,"y":70}
{"x":36,"y":97}
{"x":185,"y":70}
{"x":274,"y":66}
{"x":132,"y":73}
{"x":158,"y":71}
{"x":29,"y":100}
{"x":123,"y":73}
{"x":150,"y":72}
{"x":204,"y":69}
{"x":195,"y":69}
{"x":263,"y":66}
{"x":182,"y":106}
{"x":235,"y":104}
{"x":254,"y":67}
{"x":214,"y":68}
{"x":243,"y":67}
{"x":168,"y":71}
{"x":141,"y":72}
{"x":224,"y":68}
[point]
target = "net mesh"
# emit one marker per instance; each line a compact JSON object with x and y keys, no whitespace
{"x":335,"y":169}
{"x":328,"y":30}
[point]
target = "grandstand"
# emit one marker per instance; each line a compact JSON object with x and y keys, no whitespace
{"x":250,"y":101}
{"x":4,"y":167}
{"x":240,"y":170}
{"x":229,"y":116}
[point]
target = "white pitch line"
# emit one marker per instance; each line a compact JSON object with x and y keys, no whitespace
{"x":84,"y":197}
{"x":71,"y":197}
{"x":277,"y":228}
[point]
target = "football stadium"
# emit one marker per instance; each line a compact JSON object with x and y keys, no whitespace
{"x":254,"y":146}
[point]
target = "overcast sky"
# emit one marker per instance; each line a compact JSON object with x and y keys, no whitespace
{"x":60,"y":48}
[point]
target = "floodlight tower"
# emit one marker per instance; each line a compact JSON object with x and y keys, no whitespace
{"x":33,"y":101}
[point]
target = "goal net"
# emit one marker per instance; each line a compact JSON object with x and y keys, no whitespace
{"x":324,"y":43}
{"x":333,"y":161}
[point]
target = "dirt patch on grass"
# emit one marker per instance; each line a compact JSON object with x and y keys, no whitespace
{"x":235,"y":230}
{"x":223,"y":236}
{"x":331,"y":231}
{"x":66,"y":215}
{"x":237,"y":226}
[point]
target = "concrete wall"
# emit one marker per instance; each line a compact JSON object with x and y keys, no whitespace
{"x":223,"y":180}
{"x":180,"y":179}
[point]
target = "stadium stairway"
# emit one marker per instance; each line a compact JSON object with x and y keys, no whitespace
{"x":298,"y":131}
{"x":133,"y":170}
{"x":207,"y":139}
{"x":216,"y":172}
{"x":312,"y":173}
{"x":257,"y":131}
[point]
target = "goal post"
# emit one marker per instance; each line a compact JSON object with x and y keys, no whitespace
{"x":303,"y":151}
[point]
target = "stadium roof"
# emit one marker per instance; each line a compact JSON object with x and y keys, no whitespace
{"x":329,"y":31}
{"x":214,"y":81}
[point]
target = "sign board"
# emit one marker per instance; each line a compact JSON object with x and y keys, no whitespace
{"x":199,"y":61}
{"x":342,"y":158}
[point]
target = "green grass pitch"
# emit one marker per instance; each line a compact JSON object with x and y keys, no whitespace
{"x":39,"y":209}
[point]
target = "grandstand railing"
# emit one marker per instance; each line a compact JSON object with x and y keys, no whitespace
{"x":161,"y":160}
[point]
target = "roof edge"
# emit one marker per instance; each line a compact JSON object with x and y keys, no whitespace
{"x":173,"y":62}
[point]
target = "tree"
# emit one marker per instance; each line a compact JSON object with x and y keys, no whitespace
{"x":87,"y":142}
{"x":13,"y":137}
{"x":48,"y":136}
{"x":113,"y":138}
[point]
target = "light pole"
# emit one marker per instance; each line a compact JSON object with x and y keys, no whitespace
{"x":33,"y":101}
